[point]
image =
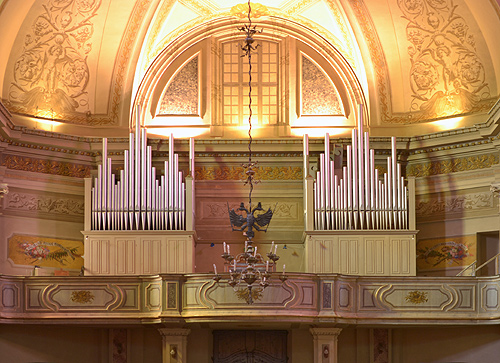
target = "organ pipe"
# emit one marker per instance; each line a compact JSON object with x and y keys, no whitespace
{"x":140,"y":197}
{"x":360,"y":198}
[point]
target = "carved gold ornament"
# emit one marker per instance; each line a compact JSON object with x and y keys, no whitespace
{"x":243,"y":294}
{"x":241,"y":10}
{"x":453,"y":165}
{"x":46,"y":166}
{"x":238,"y":173}
{"x":82,"y":297}
{"x":416,"y":297}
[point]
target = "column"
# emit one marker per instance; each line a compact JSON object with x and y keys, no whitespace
{"x":174,"y":345}
{"x":325,"y":344}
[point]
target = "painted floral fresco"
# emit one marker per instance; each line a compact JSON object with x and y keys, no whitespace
{"x":443,"y":253}
{"x":45,"y":252}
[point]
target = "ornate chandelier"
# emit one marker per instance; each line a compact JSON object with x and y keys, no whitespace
{"x":248,"y":270}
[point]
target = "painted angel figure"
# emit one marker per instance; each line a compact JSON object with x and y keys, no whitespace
{"x":251,"y":221}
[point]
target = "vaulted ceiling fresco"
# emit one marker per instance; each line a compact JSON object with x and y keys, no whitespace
{"x":84,"y":64}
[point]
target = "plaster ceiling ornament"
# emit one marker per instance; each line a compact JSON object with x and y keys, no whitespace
{"x":241,"y":10}
{"x":447,"y":77}
{"x":52,"y":73}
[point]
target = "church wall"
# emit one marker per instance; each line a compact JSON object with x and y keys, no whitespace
{"x":79,"y":344}
{"x":300,"y":345}
{"x":354,"y":345}
{"x":446,"y":344}
{"x":200,"y":346}
{"x":454,"y":205}
{"x":41,"y":343}
{"x":40,"y":210}
{"x":142,"y":344}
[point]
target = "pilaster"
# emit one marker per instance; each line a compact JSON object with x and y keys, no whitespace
{"x":325,"y":344}
{"x":174,"y":345}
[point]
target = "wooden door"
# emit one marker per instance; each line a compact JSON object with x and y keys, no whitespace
{"x":250,"y":346}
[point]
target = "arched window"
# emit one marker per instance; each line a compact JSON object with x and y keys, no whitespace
{"x":235,"y":79}
{"x":294,"y":86}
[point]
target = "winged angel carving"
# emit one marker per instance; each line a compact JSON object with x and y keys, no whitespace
{"x":251,"y":221}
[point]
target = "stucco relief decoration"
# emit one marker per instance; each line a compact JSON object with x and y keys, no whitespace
{"x":447,"y":77}
{"x":30,"y":202}
{"x":459,"y":204}
{"x":280,"y":210}
{"x":51,"y":74}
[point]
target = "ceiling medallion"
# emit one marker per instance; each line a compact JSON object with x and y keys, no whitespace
{"x":257,"y":10}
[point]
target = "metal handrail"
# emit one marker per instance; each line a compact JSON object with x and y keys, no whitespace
{"x":473,"y":264}
{"x":481,"y":266}
{"x":487,"y":262}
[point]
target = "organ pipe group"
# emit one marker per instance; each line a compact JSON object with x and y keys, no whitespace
{"x":141,"y":198}
{"x":358,"y":197}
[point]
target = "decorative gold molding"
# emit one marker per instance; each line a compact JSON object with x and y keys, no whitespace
{"x":159,"y":22}
{"x":452,"y":165}
{"x":124,"y":56}
{"x":46,"y":166}
{"x":377,"y":55}
{"x":238,"y":173}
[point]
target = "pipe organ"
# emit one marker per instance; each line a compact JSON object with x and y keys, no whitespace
{"x":139,"y":198}
{"x":358,"y":222}
{"x":141,"y":220}
{"x":359,"y":198}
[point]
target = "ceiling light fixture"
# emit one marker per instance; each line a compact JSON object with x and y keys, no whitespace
{"x":249,"y":268}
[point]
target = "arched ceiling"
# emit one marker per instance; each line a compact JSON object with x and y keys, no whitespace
{"x":422,"y":65}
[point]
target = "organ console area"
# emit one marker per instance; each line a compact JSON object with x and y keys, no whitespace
{"x":358,"y":215}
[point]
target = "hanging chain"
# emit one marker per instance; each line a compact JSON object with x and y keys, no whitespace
{"x":248,"y":48}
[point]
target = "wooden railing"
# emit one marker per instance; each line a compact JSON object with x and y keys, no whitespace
{"x":304,"y":298}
